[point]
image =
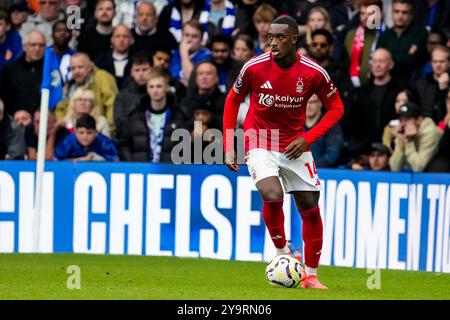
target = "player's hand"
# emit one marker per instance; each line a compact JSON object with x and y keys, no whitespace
{"x":295,"y":149}
{"x":231,"y":161}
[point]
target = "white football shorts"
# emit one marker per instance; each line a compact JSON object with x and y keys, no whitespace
{"x":297,"y":175}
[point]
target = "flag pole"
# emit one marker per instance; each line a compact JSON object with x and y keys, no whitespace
{"x":40,"y":167}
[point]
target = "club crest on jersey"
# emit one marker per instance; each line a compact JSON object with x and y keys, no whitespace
{"x":237,"y":85}
{"x":266,"y":100}
{"x":299,"y":86}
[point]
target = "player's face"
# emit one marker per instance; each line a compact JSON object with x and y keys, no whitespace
{"x":161,"y":60}
{"x":85,"y":136}
{"x":146,"y":17}
{"x":439,"y":62}
{"x":402,"y":14}
{"x":377,"y":161}
{"x":281,"y":41}
{"x":320,"y":48}
{"x":157,"y":89}
{"x":104,"y":12}
{"x":140,"y":73}
{"x":62,"y":35}
{"x":221,"y":52}
{"x":121,"y":39}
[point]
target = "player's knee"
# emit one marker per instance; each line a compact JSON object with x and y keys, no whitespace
{"x":272,"y":195}
{"x":307,"y":200}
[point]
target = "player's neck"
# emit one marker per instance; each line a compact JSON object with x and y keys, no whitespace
{"x":288,"y":61}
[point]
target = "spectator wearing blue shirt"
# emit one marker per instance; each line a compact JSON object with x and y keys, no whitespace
{"x":57,"y":63}
{"x":326,"y":151}
{"x":10,"y":41}
{"x":190,"y":52}
{"x":86,"y":144}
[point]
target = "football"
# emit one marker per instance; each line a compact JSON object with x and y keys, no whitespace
{"x":284,"y":271}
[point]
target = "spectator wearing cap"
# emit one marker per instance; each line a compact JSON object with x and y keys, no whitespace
{"x":326,"y":151}
{"x":18,"y":12}
{"x":96,"y":39}
{"x":43,"y":21}
{"x":417,"y":140}
{"x":86,"y":143}
{"x":10,"y":42}
{"x":146,"y":136}
{"x":148,"y":36}
{"x":432,"y":90}
{"x":405,"y":41}
{"x":21,"y":80}
{"x":379,"y":157}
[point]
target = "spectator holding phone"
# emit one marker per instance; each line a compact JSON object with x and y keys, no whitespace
{"x":417,"y":139}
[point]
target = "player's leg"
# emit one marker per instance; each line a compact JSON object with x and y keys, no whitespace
{"x":307,"y":203}
{"x":264,"y":170}
{"x":272,"y":194}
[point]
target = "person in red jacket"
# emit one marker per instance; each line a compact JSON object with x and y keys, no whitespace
{"x":280,"y":83}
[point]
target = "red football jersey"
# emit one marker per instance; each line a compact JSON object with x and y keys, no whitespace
{"x":278,"y":99}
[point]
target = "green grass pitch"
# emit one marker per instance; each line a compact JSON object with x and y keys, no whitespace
{"x":29,"y":276}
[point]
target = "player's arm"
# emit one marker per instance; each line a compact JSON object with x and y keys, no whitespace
{"x":329,"y":96}
{"x":230,"y":113}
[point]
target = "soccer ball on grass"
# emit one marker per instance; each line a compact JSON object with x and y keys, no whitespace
{"x":284,"y":271}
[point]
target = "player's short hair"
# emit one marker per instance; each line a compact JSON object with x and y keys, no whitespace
{"x":292,"y":24}
{"x":140,"y":58}
{"x":194,"y":24}
{"x":4,"y":16}
{"x":323,"y":32}
{"x":86,"y":121}
{"x":265,"y":13}
{"x":155,"y":74}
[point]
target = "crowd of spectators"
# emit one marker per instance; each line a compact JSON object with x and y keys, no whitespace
{"x":124,"y":74}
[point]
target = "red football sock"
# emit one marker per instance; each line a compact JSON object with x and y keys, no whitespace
{"x":312,"y":236}
{"x":273,"y":216}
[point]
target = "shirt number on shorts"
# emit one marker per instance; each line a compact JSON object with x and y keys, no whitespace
{"x":313,"y":171}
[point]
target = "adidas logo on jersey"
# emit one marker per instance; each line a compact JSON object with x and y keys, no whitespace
{"x":266,"y":85}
